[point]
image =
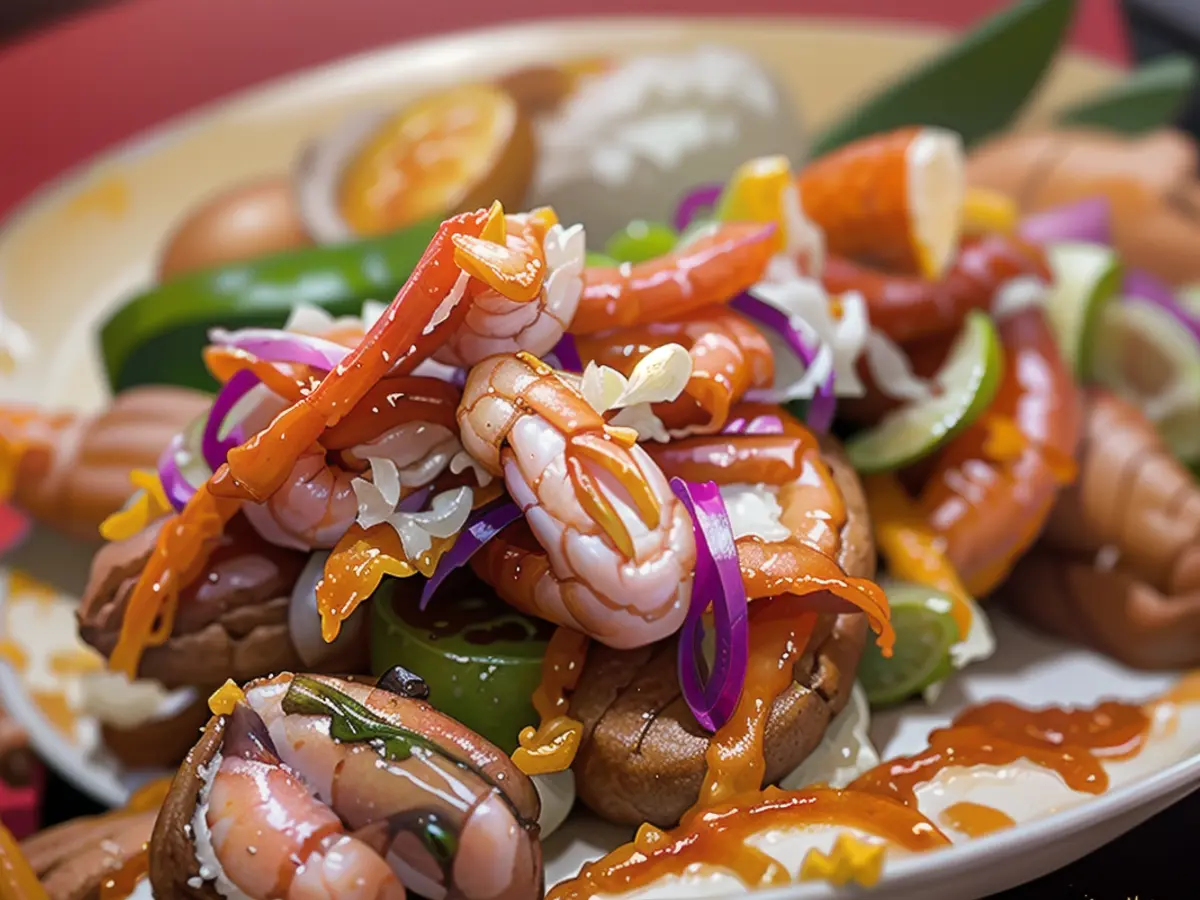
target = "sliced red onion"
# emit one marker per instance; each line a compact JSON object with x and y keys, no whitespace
{"x":1142,"y":285}
{"x":823,"y":404}
{"x":756,"y":425}
{"x":1088,"y":220}
{"x":278,"y":346}
{"x":718,"y":580}
{"x":177,"y":488}
{"x":415,"y":502}
{"x":213,"y":447}
{"x":483,"y":525}
{"x":696,"y":201}
{"x":567,"y":354}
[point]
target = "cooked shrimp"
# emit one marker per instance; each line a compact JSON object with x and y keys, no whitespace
{"x":616,"y":549}
{"x":994,"y":486}
{"x":496,"y":323}
{"x":729,"y":357}
{"x":71,"y":471}
{"x":458,"y":819}
{"x":272,"y":838}
{"x":786,"y":511}
{"x":417,"y":321}
{"x":711,"y":270}
{"x":910,"y":307}
{"x":893,"y":199}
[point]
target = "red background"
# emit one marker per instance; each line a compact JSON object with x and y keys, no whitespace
{"x":69,"y":92}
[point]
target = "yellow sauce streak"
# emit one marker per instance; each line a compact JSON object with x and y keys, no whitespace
{"x":147,"y":504}
{"x":225,"y":698}
{"x":57,"y":710}
{"x":75,"y":661}
{"x":551,"y":747}
{"x":14,"y":654}
{"x":988,"y":212}
{"x":975,"y":819}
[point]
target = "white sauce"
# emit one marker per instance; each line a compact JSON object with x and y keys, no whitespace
{"x":754,"y":511}
{"x":112,"y":699}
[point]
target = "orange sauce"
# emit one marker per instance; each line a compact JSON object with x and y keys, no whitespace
{"x":975,"y":819}
{"x":124,"y":881}
{"x":882,"y":802}
{"x":14,"y":654}
{"x":150,"y":796}
{"x":736,"y":762}
{"x":1069,"y":742}
{"x":718,"y":838}
{"x":551,"y":747}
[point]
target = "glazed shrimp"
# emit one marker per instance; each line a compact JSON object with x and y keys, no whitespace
{"x":711,"y":270}
{"x":496,"y":323}
{"x":271,"y":837}
{"x":787,"y":513}
{"x":616,"y":549}
{"x":893,"y":199}
{"x":729,"y":357}
{"x":1133,"y":496}
{"x":994,"y":486}
{"x":908,"y":307}
{"x":458,"y":818}
{"x":414,"y":324}
{"x":71,"y":471}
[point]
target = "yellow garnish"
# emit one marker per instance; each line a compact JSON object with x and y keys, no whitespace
{"x":755,"y":194}
{"x":986,"y":211}
{"x":150,"y":795}
{"x":108,"y":196}
{"x":549,"y":748}
{"x":57,"y":710}
{"x":24,"y":587}
{"x":14,"y":654}
{"x":75,"y":661}
{"x":495,"y":229}
{"x":147,"y":504}
{"x":1005,"y":443}
{"x":912,"y":550}
{"x":225,"y":698}
{"x":851,"y":859}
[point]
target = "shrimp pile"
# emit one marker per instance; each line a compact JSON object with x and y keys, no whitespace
{"x":621,"y":452}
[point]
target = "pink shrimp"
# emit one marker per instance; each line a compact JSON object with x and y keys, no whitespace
{"x":271,"y":837}
{"x":455,"y":818}
{"x":495,"y":321}
{"x":711,"y":270}
{"x":616,"y":550}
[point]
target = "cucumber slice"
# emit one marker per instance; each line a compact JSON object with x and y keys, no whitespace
{"x":1144,"y":355}
{"x":964,"y":387}
{"x":1086,"y":276}
{"x":925,"y":632}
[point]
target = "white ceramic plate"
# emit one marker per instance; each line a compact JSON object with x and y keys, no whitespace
{"x":109,"y":220}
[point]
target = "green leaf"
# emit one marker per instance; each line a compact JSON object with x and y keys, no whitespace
{"x":976,"y":87}
{"x":1151,"y":97}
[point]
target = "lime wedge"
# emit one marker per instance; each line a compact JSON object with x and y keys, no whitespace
{"x":1144,"y":355}
{"x":1086,"y":276}
{"x":600,"y":261}
{"x":640,"y":241}
{"x":963,"y":389}
{"x":925,"y":632}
